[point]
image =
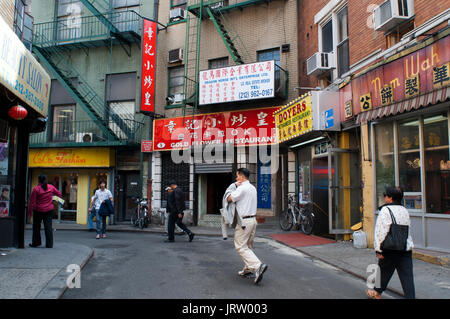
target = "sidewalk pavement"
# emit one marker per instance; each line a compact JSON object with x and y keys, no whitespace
{"x":41,"y":273}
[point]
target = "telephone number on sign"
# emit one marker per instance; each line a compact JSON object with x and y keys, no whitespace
{"x":255,"y":94}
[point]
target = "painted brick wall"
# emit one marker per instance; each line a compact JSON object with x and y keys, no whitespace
{"x":7,"y":11}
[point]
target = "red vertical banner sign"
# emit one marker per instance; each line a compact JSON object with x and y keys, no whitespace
{"x":148,"y":66}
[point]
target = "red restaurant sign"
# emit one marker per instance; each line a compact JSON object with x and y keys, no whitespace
{"x":146,"y":146}
{"x":148,"y":66}
{"x":419,"y":72}
{"x":246,"y":127}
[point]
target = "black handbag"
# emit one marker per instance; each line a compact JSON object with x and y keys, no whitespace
{"x":397,"y":237}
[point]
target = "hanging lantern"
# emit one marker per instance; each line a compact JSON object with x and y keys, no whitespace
{"x":18,"y":112}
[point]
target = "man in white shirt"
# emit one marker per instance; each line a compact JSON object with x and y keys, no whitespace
{"x":246,"y":201}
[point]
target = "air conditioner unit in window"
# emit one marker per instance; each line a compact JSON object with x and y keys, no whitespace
{"x":84,"y":138}
{"x":320,"y":62}
{"x":178,"y":98}
{"x":219,"y":5}
{"x":392,"y":12}
{"x":177,"y":14}
{"x":175,"y":55}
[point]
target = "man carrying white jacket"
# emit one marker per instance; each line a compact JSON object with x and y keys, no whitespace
{"x":246,"y":202}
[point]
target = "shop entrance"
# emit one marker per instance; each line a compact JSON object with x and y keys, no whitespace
{"x":67,"y":184}
{"x":128,"y":192}
{"x":212,"y":187}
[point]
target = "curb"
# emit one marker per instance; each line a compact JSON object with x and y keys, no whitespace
{"x":436,"y":260}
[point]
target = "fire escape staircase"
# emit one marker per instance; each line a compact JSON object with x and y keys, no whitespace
{"x":105,"y":18}
{"x":199,"y":10}
{"x":95,"y":107}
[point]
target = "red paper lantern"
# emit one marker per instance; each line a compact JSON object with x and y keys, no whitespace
{"x":18,"y":112}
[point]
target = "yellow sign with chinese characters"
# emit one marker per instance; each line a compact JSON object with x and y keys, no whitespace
{"x":441,"y":75}
{"x":71,"y":157}
{"x":294,"y":119}
{"x":366,"y":102}
{"x":412,"y":86}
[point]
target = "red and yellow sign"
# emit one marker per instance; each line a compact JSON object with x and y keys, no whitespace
{"x":71,"y":157}
{"x":242,"y":128}
{"x":294,"y":119}
{"x":399,"y":79}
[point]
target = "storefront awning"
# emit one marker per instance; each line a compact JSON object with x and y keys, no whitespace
{"x":423,"y":100}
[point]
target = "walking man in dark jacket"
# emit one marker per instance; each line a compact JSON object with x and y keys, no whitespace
{"x":175,"y":201}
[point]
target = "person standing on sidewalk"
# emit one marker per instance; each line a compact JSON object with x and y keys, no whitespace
{"x":101,"y":196}
{"x":391,"y":260}
{"x":41,"y":204}
{"x":245,"y":197}
{"x":175,"y":202}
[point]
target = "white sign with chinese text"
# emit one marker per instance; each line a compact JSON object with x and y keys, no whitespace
{"x":237,"y":83}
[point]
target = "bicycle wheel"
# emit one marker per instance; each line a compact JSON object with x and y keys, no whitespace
{"x":286,"y":220}
{"x":308,"y":223}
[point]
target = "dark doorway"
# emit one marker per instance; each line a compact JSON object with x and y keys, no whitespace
{"x":216,"y":187}
{"x":129,"y":190}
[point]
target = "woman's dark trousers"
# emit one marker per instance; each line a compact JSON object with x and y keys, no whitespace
{"x":402,"y":262}
{"x":38,"y":217}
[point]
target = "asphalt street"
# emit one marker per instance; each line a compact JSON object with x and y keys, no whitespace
{"x":141,"y":265}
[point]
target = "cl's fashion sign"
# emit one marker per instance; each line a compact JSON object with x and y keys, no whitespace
{"x":238,"y":83}
{"x":246,"y":127}
{"x":20,"y":73}
{"x":71,"y":157}
{"x":148,"y":66}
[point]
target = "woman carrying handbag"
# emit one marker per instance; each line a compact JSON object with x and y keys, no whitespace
{"x":393,"y":244}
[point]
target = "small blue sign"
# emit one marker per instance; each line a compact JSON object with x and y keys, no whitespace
{"x":329,"y":118}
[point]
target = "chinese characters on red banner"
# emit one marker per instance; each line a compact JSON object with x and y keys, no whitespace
{"x":246,"y":127}
{"x":148,"y":66}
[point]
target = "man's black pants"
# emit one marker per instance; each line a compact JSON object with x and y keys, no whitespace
{"x":174,"y":219}
{"x":402,"y":262}
{"x":38,"y":217}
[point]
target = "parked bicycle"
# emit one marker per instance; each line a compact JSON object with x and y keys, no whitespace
{"x":299,"y":214}
{"x":140,"y":217}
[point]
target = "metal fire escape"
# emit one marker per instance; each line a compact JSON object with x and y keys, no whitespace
{"x":197,"y":12}
{"x":51,"y":42}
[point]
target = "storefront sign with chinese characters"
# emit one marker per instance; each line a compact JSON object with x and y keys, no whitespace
{"x":246,"y":127}
{"x":237,"y":83}
{"x":295,"y":119}
{"x":146,"y":146}
{"x":348,"y":109}
{"x":441,"y":75}
{"x":148,"y":67}
{"x":399,"y":79}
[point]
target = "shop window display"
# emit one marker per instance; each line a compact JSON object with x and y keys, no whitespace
{"x":437,"y":164}
{"x":409,"y":162}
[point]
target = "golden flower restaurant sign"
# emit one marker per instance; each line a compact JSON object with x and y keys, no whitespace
{"x":20,"y":72}
{"x":316,"y":110}
{"x":71,"y":157}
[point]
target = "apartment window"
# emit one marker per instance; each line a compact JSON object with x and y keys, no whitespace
{"x":69,"y":19}
{"x":327,"y":37}
{"x":268,"y":55}
{"x":123,"y":16}
{"x":343,"y":46}
{"x":178,"y":4}
{"x":395,"y":36}
{"x":63,"y":123}
{"x":176,"y":80}
{"x":218,"y":63}
{"x":121,"y":99}
{"x":23,"y":24}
